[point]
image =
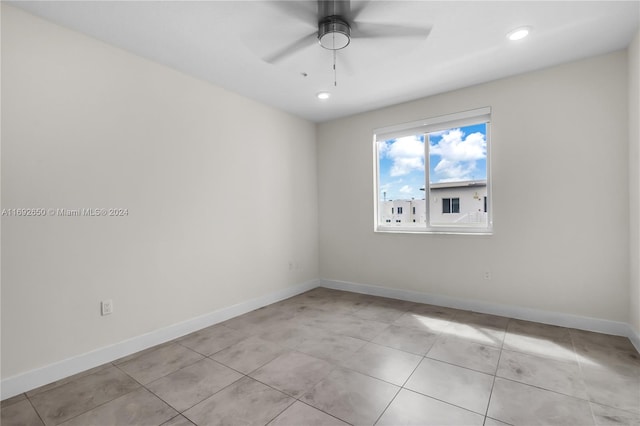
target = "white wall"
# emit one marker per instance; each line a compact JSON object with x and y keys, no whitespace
{"x":221,"y":193}
{"x":560,"y":185}
{"x":634,"y":181}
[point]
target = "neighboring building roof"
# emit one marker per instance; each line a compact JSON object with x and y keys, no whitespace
{"x":459,"y":184}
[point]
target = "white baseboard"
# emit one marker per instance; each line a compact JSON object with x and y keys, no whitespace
{"x":546,"y":317}
{"x":32,"y":379}
{"x":634,"y":336}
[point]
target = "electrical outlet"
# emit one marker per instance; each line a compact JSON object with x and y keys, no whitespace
{"x":487,"y":275}
{"x":106,"y":307}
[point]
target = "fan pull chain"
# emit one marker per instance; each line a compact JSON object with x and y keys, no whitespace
{"x":335,"y":77}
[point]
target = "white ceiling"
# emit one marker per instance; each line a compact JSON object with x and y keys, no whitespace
{"x":224,"y":42}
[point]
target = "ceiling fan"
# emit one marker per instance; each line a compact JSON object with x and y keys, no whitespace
{"x":337,"y":22}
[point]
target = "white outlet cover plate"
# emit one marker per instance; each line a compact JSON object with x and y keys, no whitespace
{"x":106,"y":307}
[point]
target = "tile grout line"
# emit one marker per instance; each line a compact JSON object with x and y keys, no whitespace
{"x":576,"y":363}
{"x":403,"y":387}
{"x":283,"y":410}
{"x":34,"y":409}
{"x":322,"y":411}
{"x":582,"y":377}
{"x":247,"y":375}
{"x":90,"y":409}
{"x":443,"y":401}
{"x":495,"y":374}
{"x":297,"y":399}
{"x":388,"y":405}
{"x":460,"y":366}
{"x":493,"y":384}
{"x":399,"y":390}
{"x":547,"y":390}
{"x":102,"y":404}
{"x":189,"y":408}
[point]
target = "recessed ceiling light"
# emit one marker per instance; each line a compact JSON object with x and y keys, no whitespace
{"x":519,"y":33}
{"x":323,"y":95}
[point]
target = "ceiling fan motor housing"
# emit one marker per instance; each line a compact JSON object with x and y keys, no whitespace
{"x":334,"y":33}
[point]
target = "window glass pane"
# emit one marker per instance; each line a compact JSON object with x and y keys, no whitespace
{"x":401,"y":181}
{"x":455,"y":205}
{"x":458,"y":174}
{"x":446,"y":205}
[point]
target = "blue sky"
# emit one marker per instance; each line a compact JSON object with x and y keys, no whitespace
{"x":455,"y":154}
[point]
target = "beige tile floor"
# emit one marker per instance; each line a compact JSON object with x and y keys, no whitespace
{"x":328,"y":357}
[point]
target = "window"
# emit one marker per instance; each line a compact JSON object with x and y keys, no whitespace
{"x":451,"y":205}
{"x":439,"y":169}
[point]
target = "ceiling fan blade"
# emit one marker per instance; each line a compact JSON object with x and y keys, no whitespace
{"x":357,"y":8}
{"x":365,"y":30}
{"x":292,"y":48}
{"x":301,"y":10}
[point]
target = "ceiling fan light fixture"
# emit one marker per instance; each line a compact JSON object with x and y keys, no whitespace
{"x":334,"y":33}
{"x":323,"y":95}
{"x":518,"y":33}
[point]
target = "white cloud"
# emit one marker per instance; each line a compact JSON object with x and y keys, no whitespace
{"x":383,"y":149}
{"x":406,"y":189}
{"x":404,"y":166}
{"x":407,"y":154}
{"x":454,"y":171}
{"x":453,"y":147}
{"x":458,"y":155}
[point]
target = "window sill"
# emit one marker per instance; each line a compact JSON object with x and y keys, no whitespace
{"x":484,"y":232}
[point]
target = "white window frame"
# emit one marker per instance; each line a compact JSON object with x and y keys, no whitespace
{"x":425,"y":126}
